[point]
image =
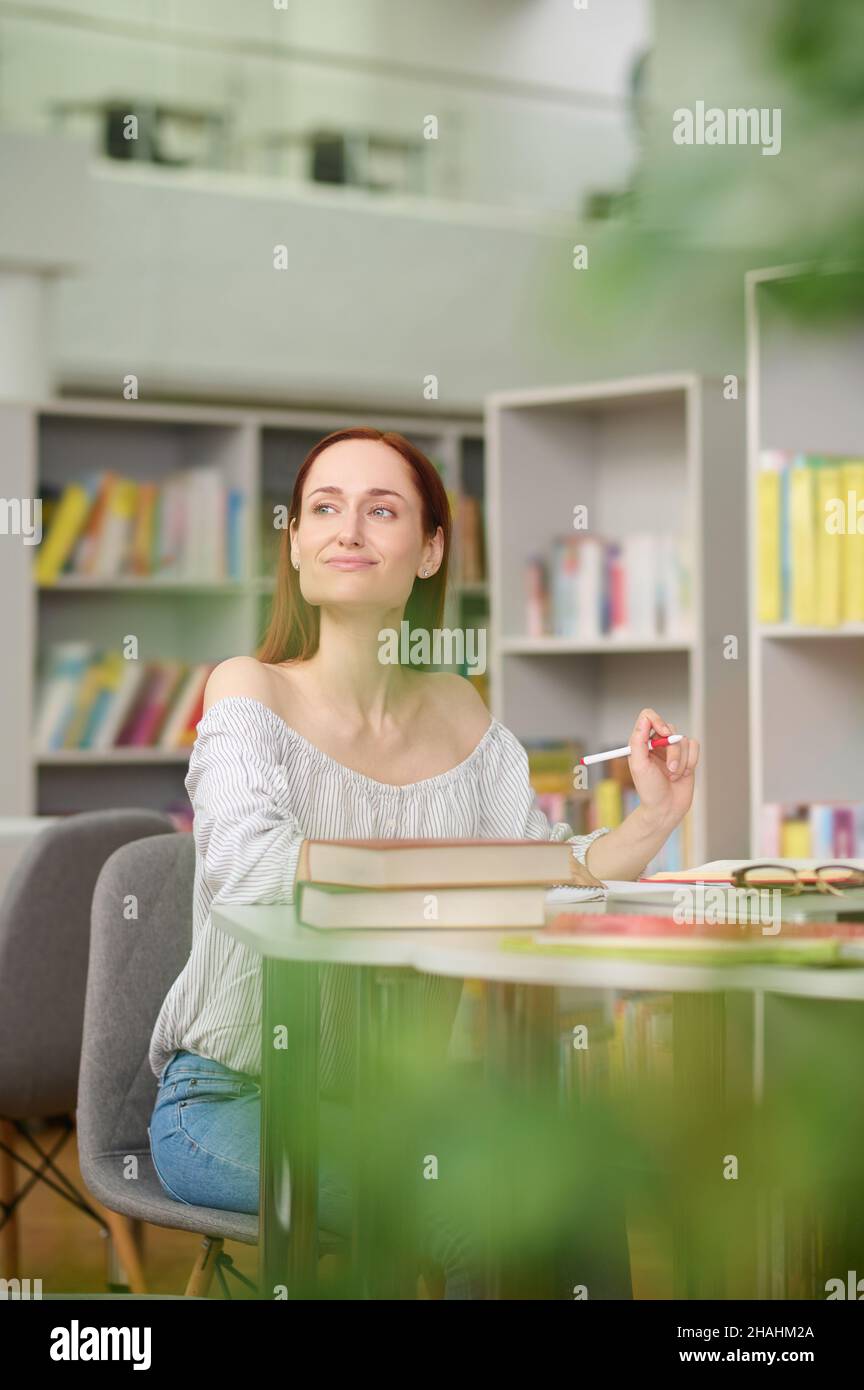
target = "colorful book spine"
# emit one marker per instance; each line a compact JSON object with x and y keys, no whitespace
{"x":803,"y":538}
{"x":636,"y":588}
{"x":187,"y":526}
{"x":852,"y":491}
{"x":535,"y":596}
{"x":828,"y":831}
{"x":90,"y":699}
{"x":68,"y":522}
{"x":810,"y":540}
{"x":829,"y":552}
{"x":769,"y":582}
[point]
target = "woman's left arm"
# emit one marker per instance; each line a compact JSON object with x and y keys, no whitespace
{"x":664,"y":780}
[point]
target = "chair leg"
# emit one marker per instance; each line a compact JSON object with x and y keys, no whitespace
{"x":122,"y":1231}
{"x":204,"y":1268}
{"x":10,"y":1249}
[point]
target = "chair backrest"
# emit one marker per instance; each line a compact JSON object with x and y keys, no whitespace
{"x":45,"y":917}
{"x":134,"y":960}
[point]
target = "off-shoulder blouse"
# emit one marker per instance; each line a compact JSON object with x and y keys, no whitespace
{"x":257,"y":789}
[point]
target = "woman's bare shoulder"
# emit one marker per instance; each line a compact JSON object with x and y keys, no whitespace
{"x":238,"y":675}
{"x":458,"y":699}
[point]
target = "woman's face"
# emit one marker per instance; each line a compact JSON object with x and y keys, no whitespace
{"x":360,"y":536}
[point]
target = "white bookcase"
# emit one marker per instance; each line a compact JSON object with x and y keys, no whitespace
{"x":57,"y":442}
{"x":806,"y":683}
{"x":665,"y":454}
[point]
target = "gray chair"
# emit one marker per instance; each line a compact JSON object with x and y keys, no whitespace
{"x":132,"y":966}
{"x":45,"y":917}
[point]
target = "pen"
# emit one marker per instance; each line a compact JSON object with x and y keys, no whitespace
{"x":625,"y":752}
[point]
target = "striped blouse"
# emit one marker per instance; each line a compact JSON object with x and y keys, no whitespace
{"x":258,"y":788}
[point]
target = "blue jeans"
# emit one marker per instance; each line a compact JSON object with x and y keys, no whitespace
{"x":205,"y":1142}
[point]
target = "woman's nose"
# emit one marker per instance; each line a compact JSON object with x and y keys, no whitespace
{"x":351,"y":530}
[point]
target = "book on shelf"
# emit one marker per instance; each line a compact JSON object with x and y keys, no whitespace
{"x":468,"y":544}
{"x":624,"y":1043}
{"x":827,"y":831}
{"x":94,"y":699}
{"x":105,"y":526}
{"x":810,"y":539}
{"x":552,"y":764}
{"x":587,"y":587}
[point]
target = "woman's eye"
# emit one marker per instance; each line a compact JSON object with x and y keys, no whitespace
{"x":319,"y":507}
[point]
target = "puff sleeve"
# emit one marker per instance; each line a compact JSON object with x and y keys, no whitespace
{"x":247,"y":837}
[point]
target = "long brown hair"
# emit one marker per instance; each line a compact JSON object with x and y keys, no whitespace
{"x":293,"y":629}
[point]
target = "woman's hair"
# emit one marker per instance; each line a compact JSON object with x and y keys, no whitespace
{"x":293,"y":629}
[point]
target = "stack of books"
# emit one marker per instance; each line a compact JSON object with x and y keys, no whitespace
{"x":636,"y":588}
{"x":189,"y":527}
{"x":810,"y":540}
{"x":429,"y":884}
{"x":94,"y":699}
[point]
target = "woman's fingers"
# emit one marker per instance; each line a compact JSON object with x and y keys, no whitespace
{"x":675,"y":755}
{"x":657,"y":721}
{"x":639,"y":754}
{"x":693,"y":758}
{"x":688,"y":757}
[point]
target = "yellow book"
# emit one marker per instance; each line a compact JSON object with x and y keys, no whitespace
{"x":112,"y":546}
{"x":795,"y":839}
{"x":852,"y":493}
{"x":769,"y":598}
{"x":142,"y":535}
{"x":608,"y":802}
{"x":66,"y":527}
{"x":85,"y":698}
{"x":829,"y":551}
{"x":803,"y":545}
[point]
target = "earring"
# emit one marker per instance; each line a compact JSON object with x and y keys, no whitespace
{"x":425,"y":572}
{"x":296,"y":564}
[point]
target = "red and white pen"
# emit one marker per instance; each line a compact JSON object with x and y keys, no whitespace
{"x":625,"y":752}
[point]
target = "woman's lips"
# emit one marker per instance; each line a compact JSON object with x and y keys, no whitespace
{"x":351,"y":564}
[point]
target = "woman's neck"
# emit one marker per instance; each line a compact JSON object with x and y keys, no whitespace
{"x":346,"y":673}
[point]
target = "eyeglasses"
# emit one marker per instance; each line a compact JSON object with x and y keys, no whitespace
{"x":827,"y":878}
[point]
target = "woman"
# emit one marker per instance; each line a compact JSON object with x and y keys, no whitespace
{"x":293,"y":744}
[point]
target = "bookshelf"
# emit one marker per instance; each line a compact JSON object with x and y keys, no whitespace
{"x":51,"y":444}
{"x":806,"y":679}
{"x":660,"y":454}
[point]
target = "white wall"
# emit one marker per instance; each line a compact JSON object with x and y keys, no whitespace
{"x":178,"y":285}
{"x":180,"y":289}
{"x":530,"y":94}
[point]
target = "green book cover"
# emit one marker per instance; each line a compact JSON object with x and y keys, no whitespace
{"x":744,"y":953}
